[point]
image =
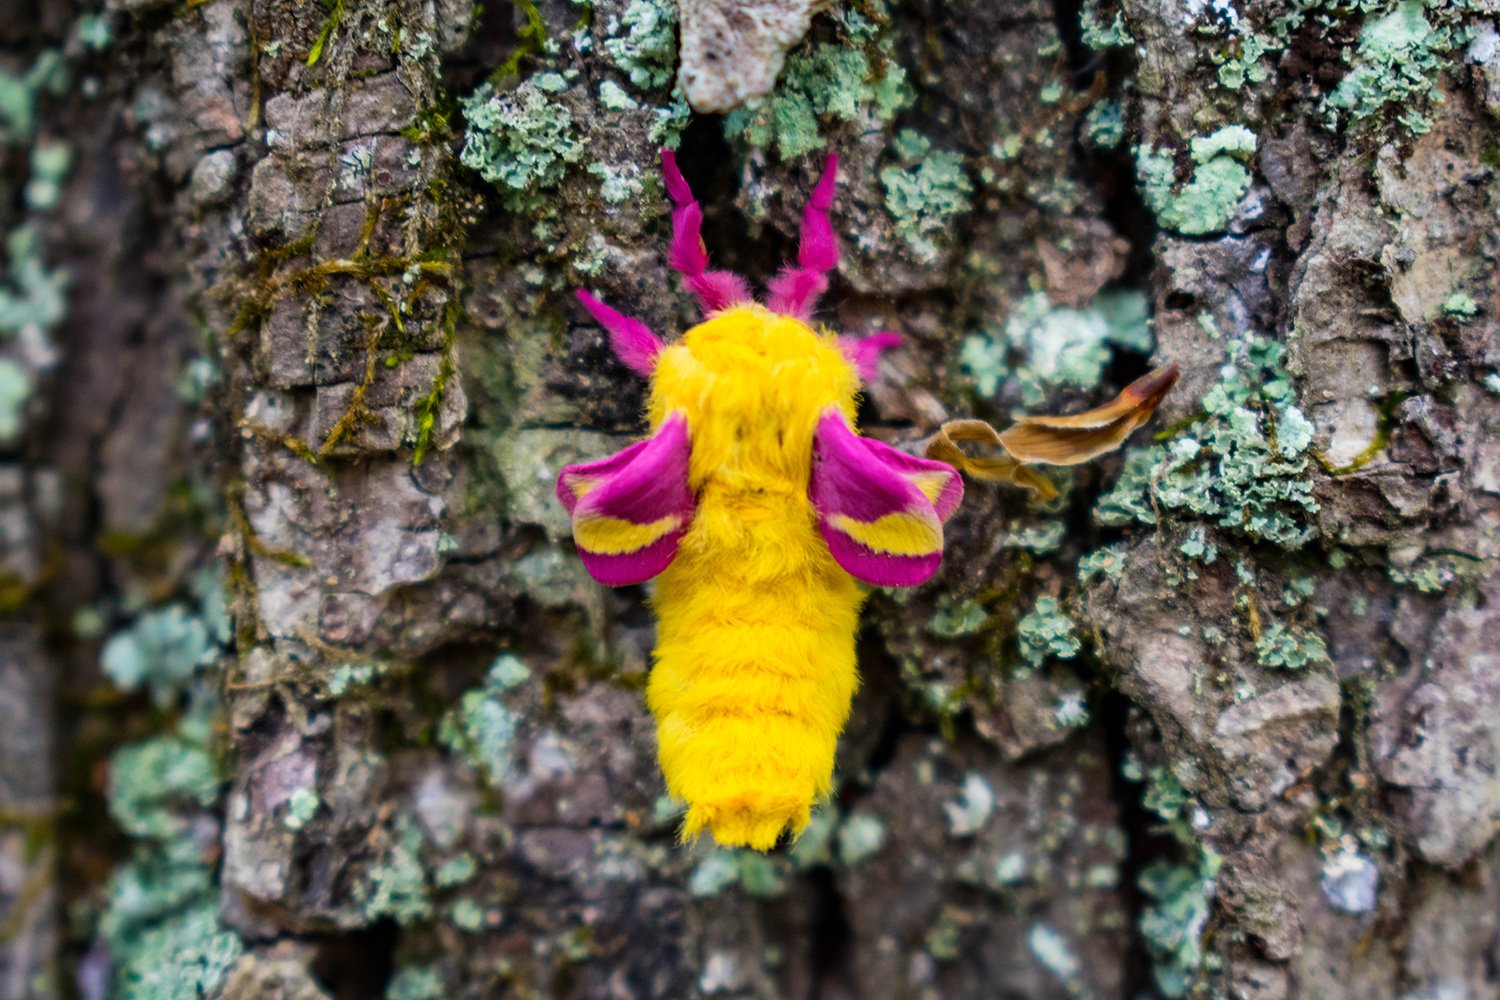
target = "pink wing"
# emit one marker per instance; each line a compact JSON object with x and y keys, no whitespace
{"x":881,"y":511}
{"x":630,"y":510}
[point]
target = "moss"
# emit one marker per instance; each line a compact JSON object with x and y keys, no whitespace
{"x":1289,"y":648}
{"x":924,"y":193}
{"x":522,"y":142}
{"x":1209,"y":199}
{"x":645,"y":44}
{"x":825,"y":83}
{"x":1044,"y":347}
{"x":1246,"y":465}
{"x":1046,"y":633}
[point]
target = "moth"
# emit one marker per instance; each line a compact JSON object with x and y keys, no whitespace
{"x":760,"y":510}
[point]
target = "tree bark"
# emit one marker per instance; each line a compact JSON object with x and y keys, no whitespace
{"x":305,"y":693}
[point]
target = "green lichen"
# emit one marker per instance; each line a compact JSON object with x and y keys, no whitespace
{"x":1181,"y":892}
{"x":1461,"y":305}
{"x":968,"y":814}
{"x":455,"y":871}
{"x":1396,"y":64}
{"x":301,"y":807}
{"x":1172,"y":924}
{"x":953,"y":618}
{"x":612,"y":97}
{"x":860,"y":838}
{"x":644,"y":43}
{"x":467,"y":915}
{"x":822,"y":84}
{"x":15,"y":394}
{"x":185,"y":957}
{"x":416,"y":983}
{"x":1289,"y":648}
{"x":150,"y":781}
{"x":1099,"y":34}
{"x":1435,"y":573}
{"x":1104,"y":124}
{"x":159,"y":651}
{"x":1046,"y":633}
{"x":19,"y":94}
{"x":396,"y":885}
{"x":1244,"y":465}
{"x":33,"y":296}
{"x":1205,"y":204}
{"x":755,"y":873}
{"x":1103,"y":563}
{"x":483,"y":728}
{"x":1044,"y":347}
{"x":522,"y":142}
{"x":924,"y":192}
{"x":1055,"y":954}
{"x":1242,"y":61}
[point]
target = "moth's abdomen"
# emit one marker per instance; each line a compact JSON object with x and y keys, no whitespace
{"x":754,"y":675}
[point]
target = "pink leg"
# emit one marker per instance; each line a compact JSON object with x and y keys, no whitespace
{"x":865,"y":352}
{"x":715,"y":290}
{"x":796,"y":290}
{"x":633,"y":343}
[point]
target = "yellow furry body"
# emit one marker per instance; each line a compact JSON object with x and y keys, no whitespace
{"x":754,"y":668}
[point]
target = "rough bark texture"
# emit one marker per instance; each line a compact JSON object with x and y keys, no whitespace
{"x":304,"y":693}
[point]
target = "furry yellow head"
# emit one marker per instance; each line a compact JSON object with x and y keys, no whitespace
{"x":752,"y":385}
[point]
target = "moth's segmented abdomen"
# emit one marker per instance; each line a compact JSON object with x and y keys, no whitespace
{"x":752,"y":686}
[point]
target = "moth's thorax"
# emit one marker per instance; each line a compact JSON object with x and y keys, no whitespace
{"x":752,"y":384}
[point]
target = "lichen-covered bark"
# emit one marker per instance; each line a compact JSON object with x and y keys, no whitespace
{"x":304,"y":693}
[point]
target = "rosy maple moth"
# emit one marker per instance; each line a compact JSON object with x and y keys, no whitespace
{"x":758,"y":509}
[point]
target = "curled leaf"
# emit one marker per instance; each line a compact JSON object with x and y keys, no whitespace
{"x":1046,"y":440}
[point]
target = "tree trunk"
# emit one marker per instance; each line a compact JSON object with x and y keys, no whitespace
{"x":305,"y":693}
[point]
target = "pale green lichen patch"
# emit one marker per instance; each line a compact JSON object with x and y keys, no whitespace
{"x":968,"y":813}
{"x":416,"y":983}
{"x":1205,"y":204}
{"x":522,"y":142}
{"x":396,"y":885}
{"x":159,"y":651}
{"x":483,"y":727}
{"x":1289,"y":647}
{"x":1100,"y":31}
{"x":150,"y":781}
{"x":1245,"y":465}
{"x":860,"y":838}
{"x":924,"y":192}
{"x":644,"y":42}
{"x":15,"y":394}
{"x":185,"y":957}
{"x":755,"y":873}
{"x":1044,"y":347}
{"x":1396,"y":64}
{"x":1046,"y":633}
{"x":825,"y":83}
{"x":1181,"y":893}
